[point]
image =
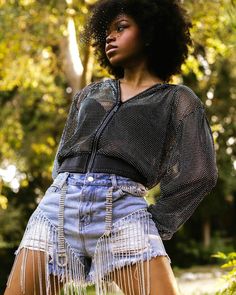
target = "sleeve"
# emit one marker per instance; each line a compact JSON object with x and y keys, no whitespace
{"x":191,"y":170}
{"x":68,"y":129}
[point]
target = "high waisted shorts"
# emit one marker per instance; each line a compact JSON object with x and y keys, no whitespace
{"x":89,"y":225}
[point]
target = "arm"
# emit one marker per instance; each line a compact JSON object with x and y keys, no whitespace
{"x":191,"y":170}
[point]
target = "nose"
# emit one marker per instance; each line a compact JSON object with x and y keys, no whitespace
{"x":110,"y":37}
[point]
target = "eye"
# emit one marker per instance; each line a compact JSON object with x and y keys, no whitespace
{"x":120,"y":28}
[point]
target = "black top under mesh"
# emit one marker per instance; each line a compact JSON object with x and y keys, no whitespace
{"x":162,"y":133}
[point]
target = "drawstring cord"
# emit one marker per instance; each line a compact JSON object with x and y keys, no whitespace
{"x":133,"y":190}
{"x":61,"y":254}
{"x":108,"y":217}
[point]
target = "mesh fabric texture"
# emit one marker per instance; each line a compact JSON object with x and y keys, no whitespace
{"x":163,"y":132}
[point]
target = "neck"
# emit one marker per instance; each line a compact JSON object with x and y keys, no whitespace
{"x":138,"y":76}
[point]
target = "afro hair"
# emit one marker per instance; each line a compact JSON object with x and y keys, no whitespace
{"x":164,"y":26}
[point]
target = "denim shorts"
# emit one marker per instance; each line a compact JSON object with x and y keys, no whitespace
{"x":91,"y":224}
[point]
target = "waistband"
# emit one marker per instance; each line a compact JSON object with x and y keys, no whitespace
{"x":102,"y":163}
{"x":103,"y":179}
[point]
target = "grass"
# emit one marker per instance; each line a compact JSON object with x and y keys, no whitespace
{"x":90,"y":291}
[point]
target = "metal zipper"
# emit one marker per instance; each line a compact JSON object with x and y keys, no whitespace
{"x":98,"y":134}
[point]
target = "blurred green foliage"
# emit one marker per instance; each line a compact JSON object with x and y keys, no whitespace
{"x":230,"y":266}
{"x":35,"y":96}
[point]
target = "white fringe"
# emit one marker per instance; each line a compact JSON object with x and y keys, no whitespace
{"x":41,"y":235}
{"x":127,"y":245}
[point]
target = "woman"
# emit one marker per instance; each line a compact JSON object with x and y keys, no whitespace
{"x":122,"y":137}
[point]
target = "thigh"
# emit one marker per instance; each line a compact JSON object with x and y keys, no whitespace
{"x":28,"y":275}
{"x":154,"y":277}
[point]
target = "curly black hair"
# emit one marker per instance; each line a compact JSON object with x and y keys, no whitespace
{"x":164,"y":26}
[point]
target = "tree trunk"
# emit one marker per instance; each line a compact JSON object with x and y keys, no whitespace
{"x":206,"y":228}
{"x":70,"y":57}
{"x":88,"y":66}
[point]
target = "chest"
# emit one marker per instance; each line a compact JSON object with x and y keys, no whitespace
{"x":127,"y":92}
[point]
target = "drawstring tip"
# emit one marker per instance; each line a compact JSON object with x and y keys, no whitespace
{"x":62,"y":259}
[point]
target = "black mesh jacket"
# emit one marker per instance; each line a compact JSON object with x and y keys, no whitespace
{"x":161,"y":135}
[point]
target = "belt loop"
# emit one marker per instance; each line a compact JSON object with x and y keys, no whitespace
{"x":114,"y":180}
{"x":85,"y":177}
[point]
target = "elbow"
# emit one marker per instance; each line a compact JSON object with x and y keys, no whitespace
{"x":209,"y":179}
{"x":212,"y":182}
{"x":215,"y":178}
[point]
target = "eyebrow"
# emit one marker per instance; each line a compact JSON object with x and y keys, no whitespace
{"x":116,"y":22}
{"x":120,"y":20}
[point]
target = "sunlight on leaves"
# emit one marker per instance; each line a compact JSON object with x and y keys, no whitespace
{"x":3,"y":202}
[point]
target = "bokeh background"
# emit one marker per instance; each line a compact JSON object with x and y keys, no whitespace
{"x":44,"y":62}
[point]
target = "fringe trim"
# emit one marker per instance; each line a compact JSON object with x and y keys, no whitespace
{"x":41,"y":235}
{"x":128,"y":244}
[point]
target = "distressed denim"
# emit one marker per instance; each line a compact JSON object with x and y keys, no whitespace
{"x":99,"y":224}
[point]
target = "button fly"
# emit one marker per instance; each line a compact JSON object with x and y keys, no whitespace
{"x":90,"y":178}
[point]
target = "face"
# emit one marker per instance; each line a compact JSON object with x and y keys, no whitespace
{"x":123,"y":42}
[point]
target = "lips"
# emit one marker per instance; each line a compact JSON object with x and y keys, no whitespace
{"x":110,"y":48}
